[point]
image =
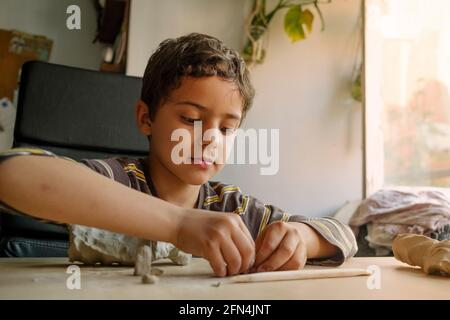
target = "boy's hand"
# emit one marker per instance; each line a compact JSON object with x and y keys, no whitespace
{"x":222,"y":239}
{"x":281,"y":246}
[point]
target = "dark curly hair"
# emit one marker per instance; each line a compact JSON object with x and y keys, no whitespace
{"x":194,"y":55}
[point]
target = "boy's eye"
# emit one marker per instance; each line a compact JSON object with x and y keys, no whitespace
{"x":227,"y":131}
{"x":189,"y":120}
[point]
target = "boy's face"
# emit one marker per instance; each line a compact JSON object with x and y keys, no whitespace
{"x":215,"y":102}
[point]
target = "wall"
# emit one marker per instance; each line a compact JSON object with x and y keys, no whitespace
{"x":152,"y":21}
{"x":70,"y":47}
{"x":48,"y":18}
{"x":302,"y":89}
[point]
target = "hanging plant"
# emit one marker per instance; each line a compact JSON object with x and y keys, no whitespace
{"x":357,"y":73}
{"x":298,"y":23}
{"x":356,"y":89}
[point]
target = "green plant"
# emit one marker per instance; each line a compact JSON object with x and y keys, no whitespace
{"x":356,"y":89}
{"x":298,"y":22}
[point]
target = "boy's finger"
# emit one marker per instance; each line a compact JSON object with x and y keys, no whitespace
{"x":216,"y":260}
{"x":281,"y":255}
{"x":247,"y":232}
{"x":259,"y":240}
{"x":297,"y":261}
{"x":246,"y":249}
{"x":232,"y":256}
{"x":269,"y":244}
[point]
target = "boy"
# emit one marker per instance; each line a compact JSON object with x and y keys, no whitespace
{"x":191,"y":79}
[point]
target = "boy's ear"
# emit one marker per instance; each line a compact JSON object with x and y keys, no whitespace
{"x":143,"y":120}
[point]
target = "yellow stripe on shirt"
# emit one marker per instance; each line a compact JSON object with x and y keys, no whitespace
{"x":138,"y":174}
{"x":132,"y":167}
{"x":243,"y":208}
{"x":265,"y":219}
{"x":213,"y":199}
{"x":285,"y":217}
{"x":31,"y":151}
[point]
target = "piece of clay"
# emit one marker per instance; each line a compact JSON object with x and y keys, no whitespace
{"x":296,"y":275}
{"x":149,"y":279}
{"x":164,"y":250}
{"x":143,"y":264}
{"x":92,"y":246}
{"x":431,"y":255}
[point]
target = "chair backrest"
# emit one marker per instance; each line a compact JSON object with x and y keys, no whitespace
{"x":74,"y":113}
{"x":78,"y":113}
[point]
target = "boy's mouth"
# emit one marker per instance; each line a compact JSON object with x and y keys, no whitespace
{"x":204,"y":163}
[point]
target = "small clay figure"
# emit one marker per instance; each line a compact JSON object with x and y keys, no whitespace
{"x":431,"y":255}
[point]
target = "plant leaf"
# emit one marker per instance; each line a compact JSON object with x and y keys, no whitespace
{"x":294,"y":20}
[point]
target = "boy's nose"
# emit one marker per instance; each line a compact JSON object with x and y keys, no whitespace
{"x":211,"y":143}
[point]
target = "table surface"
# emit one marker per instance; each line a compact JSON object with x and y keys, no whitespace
{"x":45,"y":278}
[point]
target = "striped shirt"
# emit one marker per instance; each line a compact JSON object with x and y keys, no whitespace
{"x":213,"y":196}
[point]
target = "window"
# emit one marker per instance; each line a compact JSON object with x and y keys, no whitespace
{"x":407,"y":92}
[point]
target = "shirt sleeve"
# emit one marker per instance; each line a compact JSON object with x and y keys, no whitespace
{"x":335,"y":232}
{"x":15,"y":152}
{"x":258,"y":215}
{"x":109,"y":168}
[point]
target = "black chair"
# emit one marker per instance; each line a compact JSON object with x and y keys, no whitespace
{"x":74,"y":113}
